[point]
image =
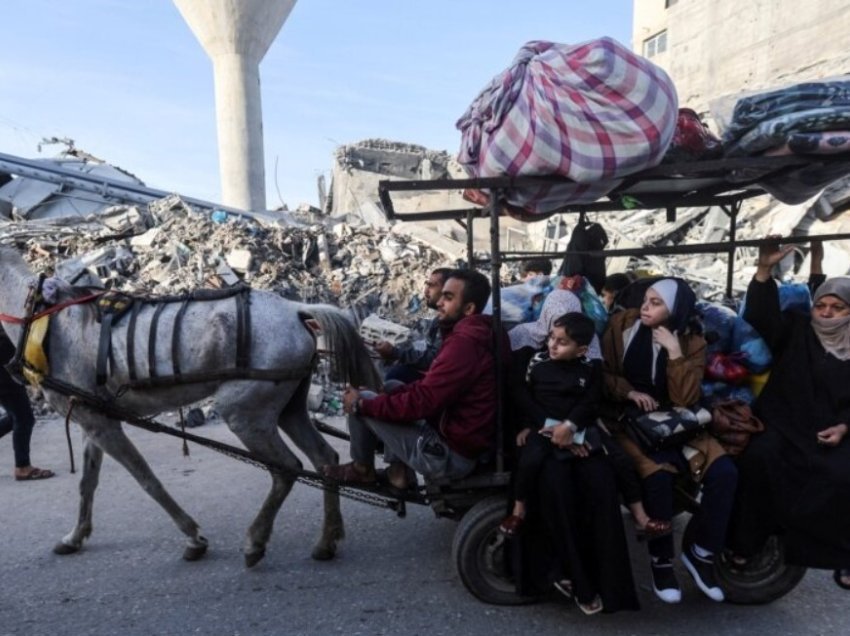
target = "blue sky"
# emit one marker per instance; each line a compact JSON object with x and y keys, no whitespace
{"x":127,"y":80}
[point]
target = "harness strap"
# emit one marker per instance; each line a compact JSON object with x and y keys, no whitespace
{"x":131,"y":340}
{"x":243,"y":331}
{"x":221,"y":375}
{"x":175,"y":338}
{"x":152,"y":340}
{"x":104,"y":349}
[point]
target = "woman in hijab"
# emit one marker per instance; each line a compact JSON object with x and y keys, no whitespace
{"x":533,"y":335}
{"x":654,"y":361}
{"x":795,"y":477}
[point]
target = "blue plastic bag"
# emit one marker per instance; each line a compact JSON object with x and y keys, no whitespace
{"x":593,"y":307}
{"x":745,"y":338}
{"x":718,"y":326}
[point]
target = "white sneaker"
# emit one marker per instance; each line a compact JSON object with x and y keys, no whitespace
{"x":702,"y":572}
{"x":664,"y":582}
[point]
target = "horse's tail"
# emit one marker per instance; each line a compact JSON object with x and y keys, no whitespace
{"x":349,"y":355}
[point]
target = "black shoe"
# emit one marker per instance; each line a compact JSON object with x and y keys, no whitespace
{"x":664,"y":582}
{"x":701,"y":570}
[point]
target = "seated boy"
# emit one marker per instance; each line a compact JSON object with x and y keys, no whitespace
{"x":560,"y":398}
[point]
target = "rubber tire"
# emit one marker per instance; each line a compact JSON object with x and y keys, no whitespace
{"x":478,"y":554}
{"x":767,"y":578}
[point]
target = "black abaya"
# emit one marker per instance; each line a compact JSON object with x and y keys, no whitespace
{"x":574,"y":530}
{"x":788,"y":481}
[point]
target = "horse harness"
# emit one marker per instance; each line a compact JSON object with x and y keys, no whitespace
{"x":30,"y":361}
{"x":113,"y":307}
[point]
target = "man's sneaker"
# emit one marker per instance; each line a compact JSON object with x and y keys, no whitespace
{"x":701,"y":570}
{"x":664,"y":582}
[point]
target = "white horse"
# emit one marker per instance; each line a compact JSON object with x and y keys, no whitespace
{"x":253,"y":409}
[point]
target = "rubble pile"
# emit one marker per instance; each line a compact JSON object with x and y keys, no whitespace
{"x":759,"y":217}
{"x":169,"y":247}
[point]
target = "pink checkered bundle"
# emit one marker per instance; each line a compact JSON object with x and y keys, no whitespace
{"x":593,"y":112}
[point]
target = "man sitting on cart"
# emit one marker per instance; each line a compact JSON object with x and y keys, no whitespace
{"x":443,"y":424}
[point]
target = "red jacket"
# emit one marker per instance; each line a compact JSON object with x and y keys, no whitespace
{"x":458,"y":393}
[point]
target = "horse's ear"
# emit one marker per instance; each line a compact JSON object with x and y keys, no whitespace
{"x":313,"y":325}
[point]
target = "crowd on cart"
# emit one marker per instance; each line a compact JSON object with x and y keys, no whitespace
{"x":615,"y":413}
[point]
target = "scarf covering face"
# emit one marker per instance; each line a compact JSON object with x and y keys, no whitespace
{"x":834,"y":333}
{"x":534,"y":334}
{"x":644,"y":362}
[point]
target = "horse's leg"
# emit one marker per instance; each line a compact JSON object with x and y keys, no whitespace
{"x":295,"y":422}
{"x":108,"y":435}
{"x":257,"y":431}
{"x":92,"y":459}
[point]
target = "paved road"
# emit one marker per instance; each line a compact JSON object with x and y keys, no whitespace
{"x":392,"y":576}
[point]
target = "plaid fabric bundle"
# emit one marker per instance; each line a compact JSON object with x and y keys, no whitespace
{"x":594,"y":112}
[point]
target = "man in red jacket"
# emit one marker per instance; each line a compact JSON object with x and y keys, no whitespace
{"x":442,"y":424}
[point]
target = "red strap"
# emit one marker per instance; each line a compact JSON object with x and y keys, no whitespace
{"x":50,"y":310}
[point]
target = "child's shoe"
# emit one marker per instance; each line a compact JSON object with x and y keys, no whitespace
{"x":511,"y":525}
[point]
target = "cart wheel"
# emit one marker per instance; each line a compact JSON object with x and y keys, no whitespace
{"x":479,"y":552}
{"x":765,"y":578}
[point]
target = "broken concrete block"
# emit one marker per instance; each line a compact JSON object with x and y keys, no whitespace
{"x":240,"y":260}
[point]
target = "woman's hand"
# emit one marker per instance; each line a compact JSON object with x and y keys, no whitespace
{"x":669,"y":340}
{"x":562,"y":435}
{"x":833,"y":435}
{"x":522,"y":436}
{"x":644,"y":400}
{"x":769,"y":255}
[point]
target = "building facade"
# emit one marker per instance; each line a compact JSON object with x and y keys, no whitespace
{"x":716,"y":48}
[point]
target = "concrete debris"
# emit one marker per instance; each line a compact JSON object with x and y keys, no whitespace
{"x":758,"y":218}
{"x":168,"y":247}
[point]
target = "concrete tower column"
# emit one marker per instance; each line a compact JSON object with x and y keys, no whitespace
{"x":236,"y":35}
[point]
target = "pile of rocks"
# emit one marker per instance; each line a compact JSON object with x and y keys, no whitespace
{"x":169,"y":247}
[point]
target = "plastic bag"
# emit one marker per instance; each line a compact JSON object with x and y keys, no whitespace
{"x":718,"y":326}
{"x":746,"y":340}
{"x":726,"y":367}
{"x":593,"y":307}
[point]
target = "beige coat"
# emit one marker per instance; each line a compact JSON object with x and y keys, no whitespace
{"x":684,"y":376}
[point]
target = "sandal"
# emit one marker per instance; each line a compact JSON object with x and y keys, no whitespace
{"x":400,"y":476}
{"x":565,"y":587}
{"x":350,"y":473}
{"x":654,"y":529}
{"x":511,"y":525}
{"x":34,"y":474}
{"x":589,"y":609}
{"x":839,"y":575}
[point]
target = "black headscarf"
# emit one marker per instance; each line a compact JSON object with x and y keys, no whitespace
{"x":637,"y":360}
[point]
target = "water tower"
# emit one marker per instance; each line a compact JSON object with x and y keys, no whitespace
{"x":236,"y":35}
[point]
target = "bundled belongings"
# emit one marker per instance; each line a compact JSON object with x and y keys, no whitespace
{"x":692,"y":140}
{"x":593,"y":112}
{"x":811,"y":118}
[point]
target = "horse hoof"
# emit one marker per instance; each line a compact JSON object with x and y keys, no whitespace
{"x":63,"y":549}
{"x":194,"y":552}
{"x":252,"y":558}
{"x":323,"y":553}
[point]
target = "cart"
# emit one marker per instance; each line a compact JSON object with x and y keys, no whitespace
{"x":479,"y":502}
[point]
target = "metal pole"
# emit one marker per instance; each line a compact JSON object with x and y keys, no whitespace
{"x":470,"y":258}
{"x":496,"y":295}
{"x":730,"y":263}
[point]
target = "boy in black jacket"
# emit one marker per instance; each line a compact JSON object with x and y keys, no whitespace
{"x":559,"y":399}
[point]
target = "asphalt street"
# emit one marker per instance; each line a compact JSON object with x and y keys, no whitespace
{"x":391,"y":576}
